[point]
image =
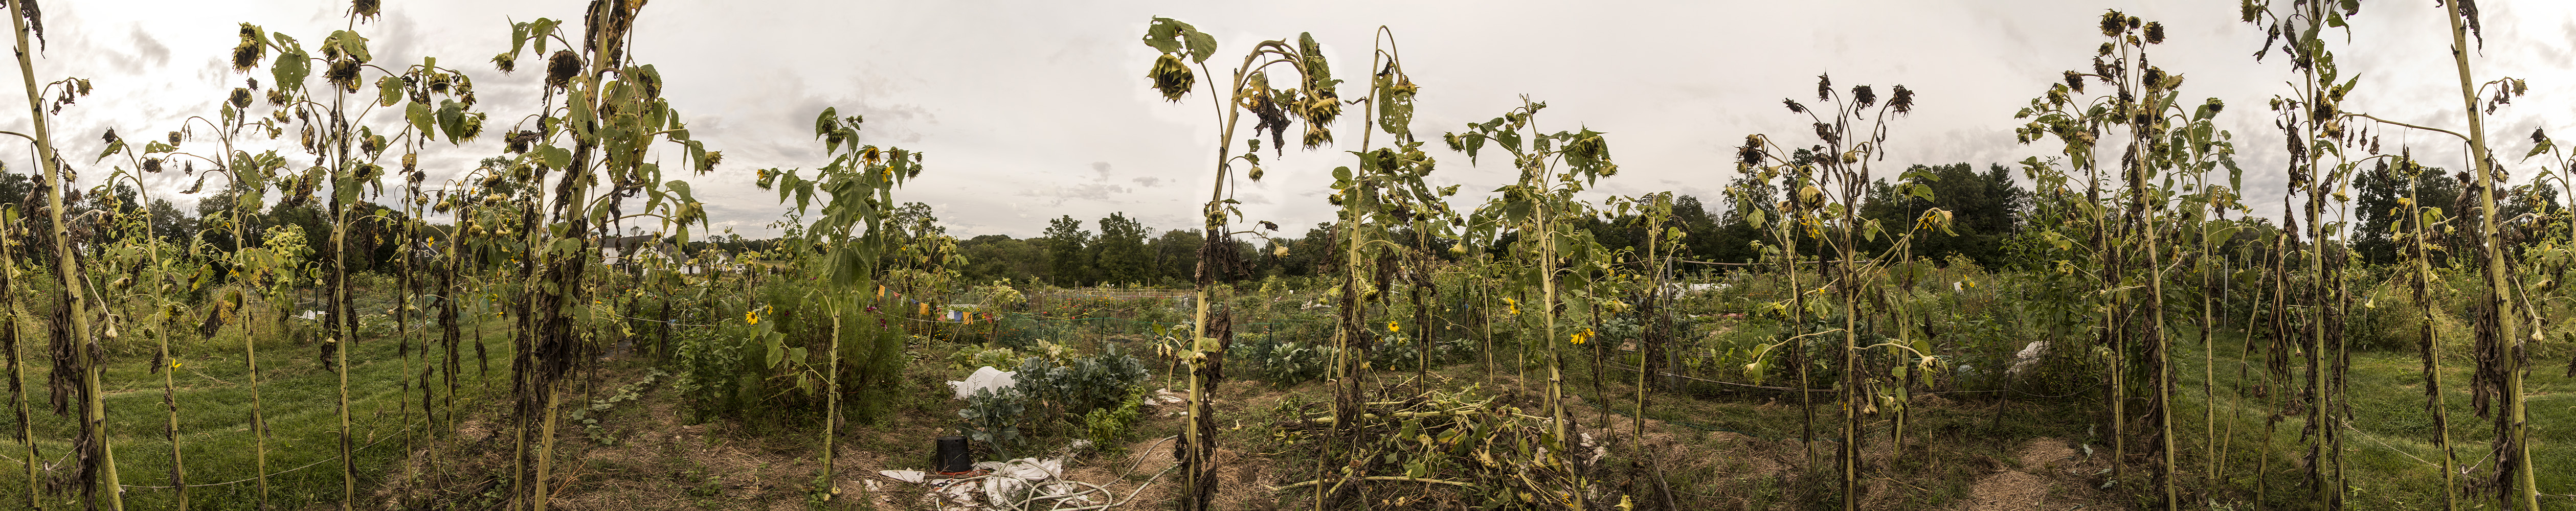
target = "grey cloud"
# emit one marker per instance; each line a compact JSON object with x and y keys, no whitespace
{"x":150,"y":48}
{"x":1084,"y":191}
{"x":1011,"y":111}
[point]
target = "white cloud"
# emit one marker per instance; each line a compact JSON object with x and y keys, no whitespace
{"x":986,"y":93}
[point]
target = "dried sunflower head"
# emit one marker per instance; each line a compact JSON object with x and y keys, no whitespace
{"x":247,"y":55}
{"x":561,"y":68}
{"x":1750,"y":153}
{"x":1316,"y":135}
{"x":1171,"y":77}
{"x":344,"y":73}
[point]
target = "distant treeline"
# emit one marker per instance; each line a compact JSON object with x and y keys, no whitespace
{"x":1117,"y":250}
{"x":1988,"y":207}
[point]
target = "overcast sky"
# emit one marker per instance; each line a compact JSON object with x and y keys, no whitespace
{"x":1030,"y":110}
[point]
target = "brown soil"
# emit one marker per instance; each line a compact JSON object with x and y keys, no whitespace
{"x":2008,"y":489}
{"x":655,"y":460}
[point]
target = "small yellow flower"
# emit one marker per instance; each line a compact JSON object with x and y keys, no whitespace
{"x":1584,"y":335}
{"x":174,"y":364}
{"x":749,"y":317}
{"x":1390,"y":326}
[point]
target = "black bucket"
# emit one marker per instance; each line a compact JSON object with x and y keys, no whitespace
{"x":952,"y":455}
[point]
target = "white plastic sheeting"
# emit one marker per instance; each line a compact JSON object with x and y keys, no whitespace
{"x":2027,"y":358}
{"x":1003,"y":485}
{"x":984,"y":378}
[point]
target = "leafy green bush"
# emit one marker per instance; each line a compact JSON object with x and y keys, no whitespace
{"x":971,"y":357}
{"x":1290,"y":363}
{"x":1109,"y":425}
{"x":1023,"y":330}
{"x":993,"y":416}
{"x":775,"y":356}
{"x":1082,"y":384}
{"x":2392,"y":322}
{"x":709,"y":365}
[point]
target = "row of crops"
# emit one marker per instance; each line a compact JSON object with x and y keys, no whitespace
{"x":2137,"y":221}
{"x":2139,"y":210}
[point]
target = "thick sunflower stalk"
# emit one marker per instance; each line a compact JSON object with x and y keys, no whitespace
{"x":1248,"y":90}
{"x":77,"y":352}
{"x":594,"y":153}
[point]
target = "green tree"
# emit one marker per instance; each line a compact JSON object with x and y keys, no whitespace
{"x":1307,"y":255}
{"x":914,"y":221}
{"x":171,"y":223}
{"x":1176,"y":254}
{"x":993,"y":257}
{"x":2381,"y":202}
{"x":1119,"y":255}
{"x":1984,"y":205}
{"x":1068,"y":263}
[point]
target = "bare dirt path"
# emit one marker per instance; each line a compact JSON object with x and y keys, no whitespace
{"x":2023,"y":489}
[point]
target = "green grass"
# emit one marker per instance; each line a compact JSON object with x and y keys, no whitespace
{"x":2391,"y":460}
{"x":300,"y":402}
